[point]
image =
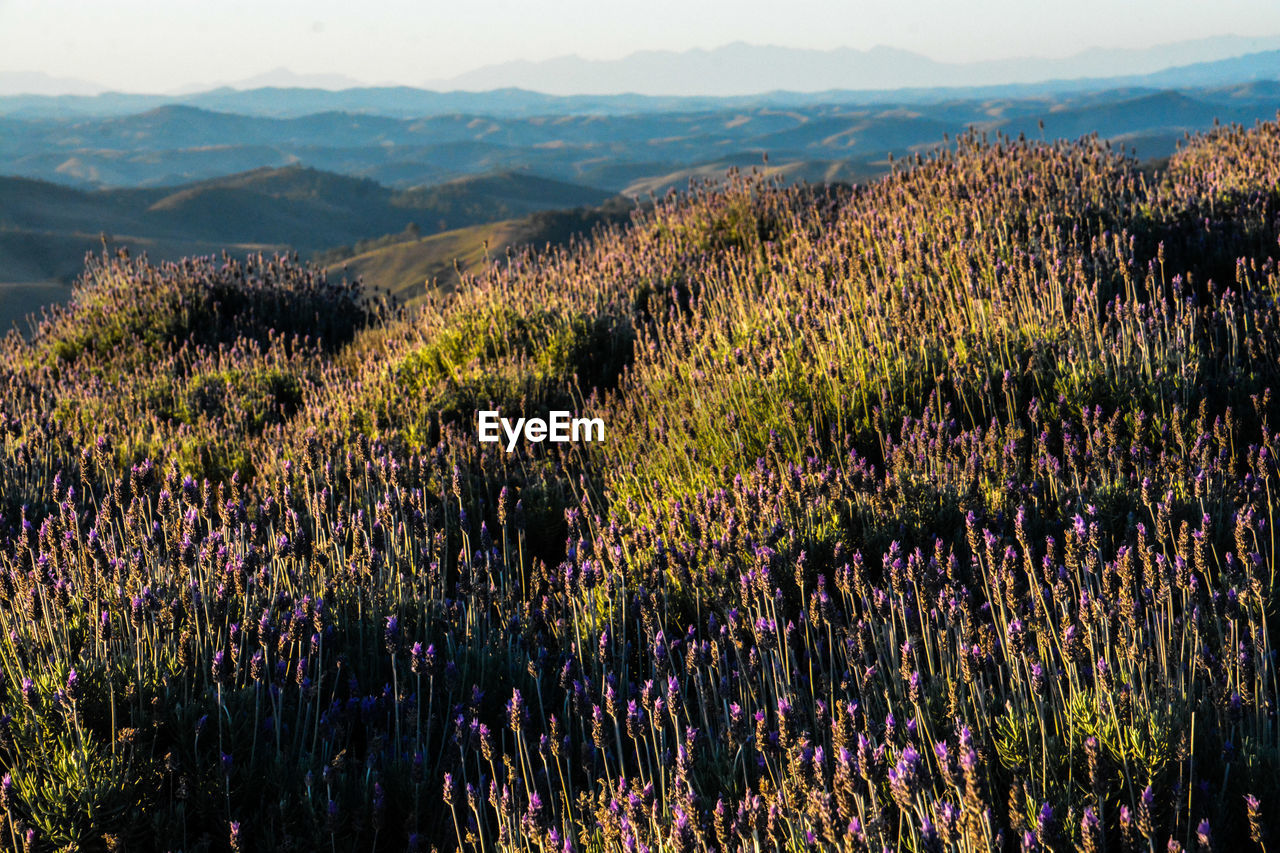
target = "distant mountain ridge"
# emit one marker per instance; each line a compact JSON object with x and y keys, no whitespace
{"x":180,"y":144}
{"x":658,"y":81}
{"x":42,"y":84}
{"x":742,"y":69}
{"x":282,"y":78}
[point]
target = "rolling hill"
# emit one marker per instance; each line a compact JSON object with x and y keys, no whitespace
{"x":46,"y":229}
{"x":409,"y":269}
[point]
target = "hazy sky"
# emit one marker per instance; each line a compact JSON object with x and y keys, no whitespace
{"x":161,"y":45}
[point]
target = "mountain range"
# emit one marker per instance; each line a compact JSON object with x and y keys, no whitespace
{"x":735,"y":75}
{"x":734,"y":69}
{"x":743,"y":69}
{"x":177,"y":144}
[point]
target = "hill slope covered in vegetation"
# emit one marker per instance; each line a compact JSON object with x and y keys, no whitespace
{"x":934,"y":513}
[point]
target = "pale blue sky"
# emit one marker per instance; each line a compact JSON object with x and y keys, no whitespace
{"x":161,"y":45}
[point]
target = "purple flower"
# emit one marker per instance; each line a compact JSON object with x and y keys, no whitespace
{"x":417,"y":659}
{"x":1204,"y":836}
{"x":258,"y":666}
{"x":515,"y":711}
{"x":74,"y":688}
{"x":1090,"y":830}
{"x":1045,"y":825}
{"x":392,"y":634}
{"x":904,"y":778}
{"x":221,"y":668}
{"x":1253,"y":809}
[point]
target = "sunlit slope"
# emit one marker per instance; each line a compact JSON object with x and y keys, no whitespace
{"x":411,"y":269}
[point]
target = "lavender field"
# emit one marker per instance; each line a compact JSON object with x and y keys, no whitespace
{"x":933,"y":514}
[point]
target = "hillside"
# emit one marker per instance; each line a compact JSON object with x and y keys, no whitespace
{"x":931,"y":514}
{"x":489,"y":197}
{"x":411,"y":269}
{"x":818,"y":172}
{"x":46,"y":229}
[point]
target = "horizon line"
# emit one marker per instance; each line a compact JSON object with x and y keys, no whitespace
{"x":432,"y":85}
